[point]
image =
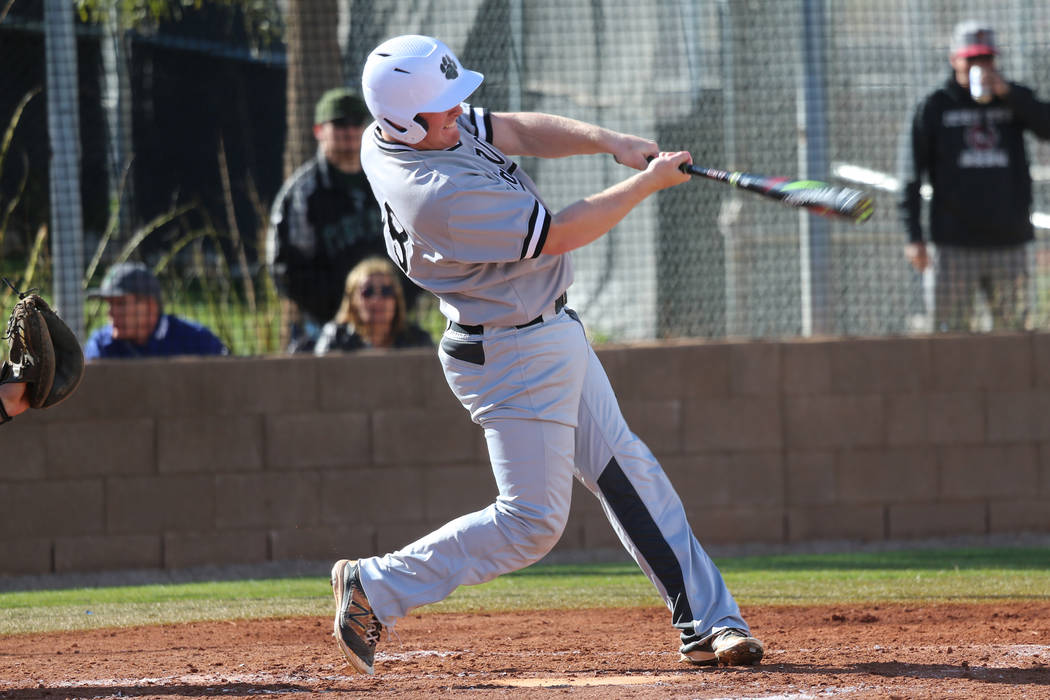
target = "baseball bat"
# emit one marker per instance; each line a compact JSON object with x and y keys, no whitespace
{"x":819,"y":197}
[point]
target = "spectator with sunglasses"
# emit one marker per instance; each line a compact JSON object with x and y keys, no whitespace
{"x":325,"y":220}
{"x":372,"y":313}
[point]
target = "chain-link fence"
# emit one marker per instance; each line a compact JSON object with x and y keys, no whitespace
{"x":162,"y":131}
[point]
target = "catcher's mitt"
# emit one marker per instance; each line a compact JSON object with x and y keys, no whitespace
{"x":45,"y":354}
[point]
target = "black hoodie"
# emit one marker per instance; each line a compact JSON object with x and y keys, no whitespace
{"x":974,"y":156}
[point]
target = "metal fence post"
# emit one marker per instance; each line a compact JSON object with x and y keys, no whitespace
{"x":814,"y":232}
{"x":63,"y":126}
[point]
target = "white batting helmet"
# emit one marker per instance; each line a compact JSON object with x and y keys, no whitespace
{"x":410,"y":74}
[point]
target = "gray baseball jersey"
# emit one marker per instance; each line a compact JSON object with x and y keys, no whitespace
{"x":467,"y":224}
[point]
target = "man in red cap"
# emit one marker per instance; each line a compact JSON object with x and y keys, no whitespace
{"x":967,"y":139}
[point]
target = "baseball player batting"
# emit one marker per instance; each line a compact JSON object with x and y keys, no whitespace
{"x":466,"y":223}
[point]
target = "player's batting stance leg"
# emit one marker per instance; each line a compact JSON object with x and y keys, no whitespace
{"x":649,"y":518}
{"x":532,"y":462}
{"x":560,"y":418}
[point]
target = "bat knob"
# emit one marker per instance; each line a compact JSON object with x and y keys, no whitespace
{"x":684,"y":167}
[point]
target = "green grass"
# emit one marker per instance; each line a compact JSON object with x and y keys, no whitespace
{"x":918,"y":576}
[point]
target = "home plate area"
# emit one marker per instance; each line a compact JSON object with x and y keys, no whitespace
{"x":878,"y":651}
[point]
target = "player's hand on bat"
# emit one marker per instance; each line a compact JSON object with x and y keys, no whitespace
{"x":633,"y":151}
{"x":666,"y":168}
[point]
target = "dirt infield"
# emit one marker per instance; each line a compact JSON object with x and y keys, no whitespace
{"x":877,"y":651}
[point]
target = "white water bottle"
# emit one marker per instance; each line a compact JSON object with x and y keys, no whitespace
{"x":977,"y":89}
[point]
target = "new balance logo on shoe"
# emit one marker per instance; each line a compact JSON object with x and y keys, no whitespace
{"x":356,"y":629}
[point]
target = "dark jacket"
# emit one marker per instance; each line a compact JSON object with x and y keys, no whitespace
{"x":322,"y":224}
{"x":343,"y":336}
{"x":974,"y":157}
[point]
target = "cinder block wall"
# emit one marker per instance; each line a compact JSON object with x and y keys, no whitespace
{"x":170,"y":464}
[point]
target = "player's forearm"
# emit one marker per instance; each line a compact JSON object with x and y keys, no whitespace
{"x":548,"y":135}
{"x":592,"y":217}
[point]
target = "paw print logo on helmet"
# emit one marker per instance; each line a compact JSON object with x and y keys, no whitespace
{"x":448,"y":67}
{"x":400,"y":81}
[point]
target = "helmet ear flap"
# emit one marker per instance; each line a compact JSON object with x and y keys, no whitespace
{"x":413,"y":132}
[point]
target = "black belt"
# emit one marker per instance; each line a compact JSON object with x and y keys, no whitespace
{"x":559,"y":304}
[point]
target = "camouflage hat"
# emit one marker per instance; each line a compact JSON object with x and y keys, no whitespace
{"x":341,"y":103}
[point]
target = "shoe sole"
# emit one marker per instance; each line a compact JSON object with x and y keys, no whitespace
{"x":747,"y":651}
{"x":699,"y":658}
{"x":338,"y":586}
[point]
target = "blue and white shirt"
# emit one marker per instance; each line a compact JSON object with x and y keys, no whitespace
{"x":172,"y":336}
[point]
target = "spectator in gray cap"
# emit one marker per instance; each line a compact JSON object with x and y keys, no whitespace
{"x":967,"y":139}
{"x":325,"y":220}
{"x":138,"y":326}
